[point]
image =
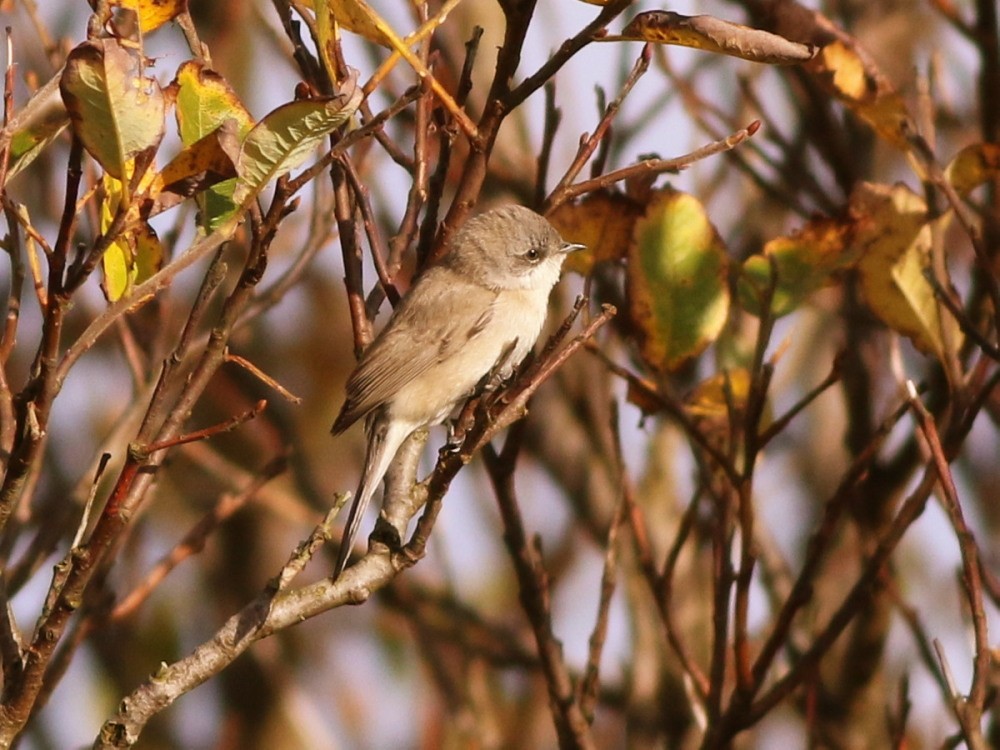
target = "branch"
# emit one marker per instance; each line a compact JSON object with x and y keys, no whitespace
{"x":650,"y":167}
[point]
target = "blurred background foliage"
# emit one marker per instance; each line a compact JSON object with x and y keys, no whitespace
{"x":785,"y":568}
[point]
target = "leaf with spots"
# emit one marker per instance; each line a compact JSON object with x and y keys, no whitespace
{"x":153,"y":14}
{"x":678,"y":295}
{"x":116,"y":110}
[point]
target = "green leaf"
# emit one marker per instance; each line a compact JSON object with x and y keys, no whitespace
{"x":117,"y":111}
{"x":205,"y":101}
{"x":286,"y":137}
{"x":803,"y":262}
{"x":678,"y":296}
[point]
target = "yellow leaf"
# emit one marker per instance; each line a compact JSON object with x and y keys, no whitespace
{"x":713,"y":397}
{"x":326,"y":36}
{"x":845,"y":74}
{"x":135,"y":254}
{"x":893,"y":238}
{"x":359,"y":18}
{"x":205,"y":101}
{"x":153,"y":13}
{"x":973,"y":166}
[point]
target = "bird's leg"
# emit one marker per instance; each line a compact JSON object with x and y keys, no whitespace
{"x":458,"y":427}
{"x":502,"y":372}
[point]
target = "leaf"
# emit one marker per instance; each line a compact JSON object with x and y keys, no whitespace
{"x":35,"y":126}
{"x":153,"y":14}
{"x":602,"y":222}
{"x":804,"y":263}
{"x":204,"y":163}
{"x":357,"y":17}
{"x":713,"y":397}
{"x":326,"y":36}
{"x":714,"y":35}
{"x":205,"y":100}
{"x":117,"y":112}
{"x":286,"y":137}
{"x":856,"y":82}
{"x":973,"y":166}
{"x":894,"y":239}
{"x":133,"y":256}
{"x":27,"y":144}
{"x":678,"y":297}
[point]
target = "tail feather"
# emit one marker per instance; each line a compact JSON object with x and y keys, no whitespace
{"x":385,"y":435}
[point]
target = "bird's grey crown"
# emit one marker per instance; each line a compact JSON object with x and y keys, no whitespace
{"x":504,"y":242}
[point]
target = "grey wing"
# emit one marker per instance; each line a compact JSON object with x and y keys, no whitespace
{"x":422,"y":332}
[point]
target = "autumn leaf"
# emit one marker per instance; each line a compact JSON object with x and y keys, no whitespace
{"x":713,"y":35}
{"x":135,"y":254}
{"x":848,"y":76}
{"x":204,"y":163}
{"x":714,"y":396}
{"x":678,"y":295}
{"x":973,"y":166}
{"x":791,"y":268}
{"x":152,"y":14}
{"x":116,"y":110}
{"x":205,"y":102}
{"x":602,"y":222}
{"x":37,"y":124}
{"x":893,"y":238}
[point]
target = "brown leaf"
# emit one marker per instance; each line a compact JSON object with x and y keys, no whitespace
{"x":714,"y":35}
{"x":202,"y":164}
{"x":602,"y":222}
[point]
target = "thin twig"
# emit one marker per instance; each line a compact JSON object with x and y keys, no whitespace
{"x":194,"y":540}
{"x":533,"y":580}
{"x":204,"y":434}
{"x":589,"y":144}
{"x":649,"y":167}
{"x":968,"y":711}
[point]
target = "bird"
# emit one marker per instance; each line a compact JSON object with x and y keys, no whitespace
{"x":471,"y":317}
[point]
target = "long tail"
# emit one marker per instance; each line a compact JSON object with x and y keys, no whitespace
{"x":384,"y":438}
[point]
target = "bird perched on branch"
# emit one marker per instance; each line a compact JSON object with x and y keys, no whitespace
{"x":468,"y":319}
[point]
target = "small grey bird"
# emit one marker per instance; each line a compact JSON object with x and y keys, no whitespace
{"x":475,"y":314}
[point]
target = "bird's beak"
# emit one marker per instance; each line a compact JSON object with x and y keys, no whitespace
{"x":572,"y":247}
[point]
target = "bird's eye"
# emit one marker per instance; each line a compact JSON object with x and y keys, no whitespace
{"x":533,"y":254}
